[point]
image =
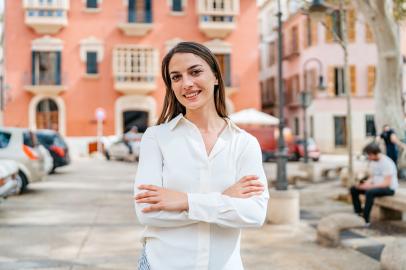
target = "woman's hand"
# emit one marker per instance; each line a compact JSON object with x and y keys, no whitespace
{"x":246,"y":187}
{"x":162,"y":199}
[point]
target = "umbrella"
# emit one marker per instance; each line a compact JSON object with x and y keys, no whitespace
{"x":252,"y":116}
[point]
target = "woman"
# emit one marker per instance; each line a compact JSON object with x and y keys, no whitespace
{"x":200,"y":178}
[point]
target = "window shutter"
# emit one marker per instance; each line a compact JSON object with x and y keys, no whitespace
{"x":227,"y":69}
{"x":306,"y":33}
{"x":58,"y":68}
{"x":369,"y":37}
{"x":33,"y":71}
{"x":351,"y":20}
{"x":148,"y":11}
{"x":329,"y":29}
{"x":131,"y":11}
{"x":330,"y":81}
{"x":371,"y":80}
{"x":353,"y":80}
{"x":314,"y":27}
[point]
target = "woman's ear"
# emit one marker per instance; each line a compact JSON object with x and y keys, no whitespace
{"x":216,"y":82}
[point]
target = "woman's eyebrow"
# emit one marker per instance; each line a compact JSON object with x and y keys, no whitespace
{"x":189,"y":68}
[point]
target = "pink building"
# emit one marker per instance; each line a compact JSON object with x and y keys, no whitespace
{"x":305,"y":41}
{"x":64,"y":59}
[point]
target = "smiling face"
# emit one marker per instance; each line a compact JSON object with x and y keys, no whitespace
{"x":192,"y":81}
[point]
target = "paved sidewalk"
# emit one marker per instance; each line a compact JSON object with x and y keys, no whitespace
{"x":82,"y":218}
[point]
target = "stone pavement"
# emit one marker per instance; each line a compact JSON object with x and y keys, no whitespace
{"x":82,"y":218}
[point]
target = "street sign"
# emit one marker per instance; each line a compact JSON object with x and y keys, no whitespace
{"x":100,"y":114}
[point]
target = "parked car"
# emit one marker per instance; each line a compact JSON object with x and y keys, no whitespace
{"x":312,"y":149}
{"x":21,"y":145}
{"x":119,"y":150}
{"x":8,"y":178}
{"x":56,"y":146}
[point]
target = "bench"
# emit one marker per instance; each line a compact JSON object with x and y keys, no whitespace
{"x":391,"y":207}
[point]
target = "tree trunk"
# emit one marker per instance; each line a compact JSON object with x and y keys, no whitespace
{"x":388,"y":87}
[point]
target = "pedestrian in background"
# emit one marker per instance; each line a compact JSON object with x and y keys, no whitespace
{"x":200,"y":178}
{"x":391,"y":143}
{"x":382,"y":181}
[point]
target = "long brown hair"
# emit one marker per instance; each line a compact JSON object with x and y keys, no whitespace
{"x":172,"y":107}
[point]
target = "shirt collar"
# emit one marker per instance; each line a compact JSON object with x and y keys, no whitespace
{"x":175,"y":121}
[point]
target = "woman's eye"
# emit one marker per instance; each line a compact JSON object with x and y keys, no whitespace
{"x":175,"y":77}
{"x":196,"y":72}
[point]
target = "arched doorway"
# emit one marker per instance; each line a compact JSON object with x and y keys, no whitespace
{"x":135,"y":118}
{"x":47,"y":114}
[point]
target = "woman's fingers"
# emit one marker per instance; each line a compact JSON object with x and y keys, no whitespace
{"x":151,"y":200}
{"x":248,"y":178}
{"x":152,"y":208}
{"x":148,"y":187}
{"x":252,"y":189}
{"x":146,"y":194}
{"x":256,"y":183}
{"x":249,"y":195}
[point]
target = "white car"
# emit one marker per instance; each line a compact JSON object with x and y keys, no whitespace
{"x":8,"y":178}
{"x":119,"y":150}
{"x":21,"y":145}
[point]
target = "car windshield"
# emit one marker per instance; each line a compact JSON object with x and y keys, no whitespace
{"x":51,"y":139}
{"x":310,"y":141}
{"x":4,"y":139}
{"x":30,"y":139}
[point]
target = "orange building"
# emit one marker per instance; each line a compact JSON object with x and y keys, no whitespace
{"x":64,"y":59}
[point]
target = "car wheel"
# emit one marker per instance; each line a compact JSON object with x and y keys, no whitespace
{"x":22,"y":182}
{"x":315,"y":159}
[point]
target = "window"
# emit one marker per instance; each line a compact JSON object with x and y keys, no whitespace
{"x":4,"y":139}
{"x":294,"y":40}
{"x":225,"y":67}
{"x":91,"y":4}
{"x":177,"y":5}
{"x":371,"y":80}
{"x":272,"y":56}
{"x":311,"y":127}
{"x":370,"y":125}
{"x":308,"y":33}
{"x":339,"y":81}
{"x":340,"y":131}
{"x":91,"y":63}
{"x":46,"y":68}
{"x":139,"y":11}
{"x":296,"y":126}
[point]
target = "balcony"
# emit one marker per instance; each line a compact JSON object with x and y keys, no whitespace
{"x":47,"y":84}
{"x":46,"y":17}
{"x":137,"y":23}
{"x":217,"y":17}
{"x":135,"y":70}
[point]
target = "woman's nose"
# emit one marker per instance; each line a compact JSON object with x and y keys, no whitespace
{"x":187,"y":81}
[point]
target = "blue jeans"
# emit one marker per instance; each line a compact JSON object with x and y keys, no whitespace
{"x":369,"y":199}
{"x":143,"y":261}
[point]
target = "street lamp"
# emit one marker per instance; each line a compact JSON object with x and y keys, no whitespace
{"x":281,"y":182}
{"x":317,"y":10}
{"x":305,"y":101}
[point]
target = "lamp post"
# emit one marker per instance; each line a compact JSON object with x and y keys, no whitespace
{"x":317,"y":10}
{"x":305,"y":101}
{"x":281,"y":182}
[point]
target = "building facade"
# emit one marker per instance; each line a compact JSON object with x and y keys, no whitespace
{"x":310,"y":51}
{"x":64,"y":59}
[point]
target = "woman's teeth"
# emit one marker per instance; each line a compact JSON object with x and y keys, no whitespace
{"x":191,"y":95}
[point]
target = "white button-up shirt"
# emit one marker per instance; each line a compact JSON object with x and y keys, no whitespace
{"x":173,"y":156}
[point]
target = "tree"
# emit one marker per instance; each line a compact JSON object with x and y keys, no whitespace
{"x":381,"y":16}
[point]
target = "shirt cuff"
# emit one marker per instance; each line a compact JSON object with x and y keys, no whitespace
{"x":204,"y":207}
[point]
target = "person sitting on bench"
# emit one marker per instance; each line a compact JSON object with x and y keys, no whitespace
{"x":382,"y":181}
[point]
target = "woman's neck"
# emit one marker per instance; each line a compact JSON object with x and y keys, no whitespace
{"x":205,"y":120}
